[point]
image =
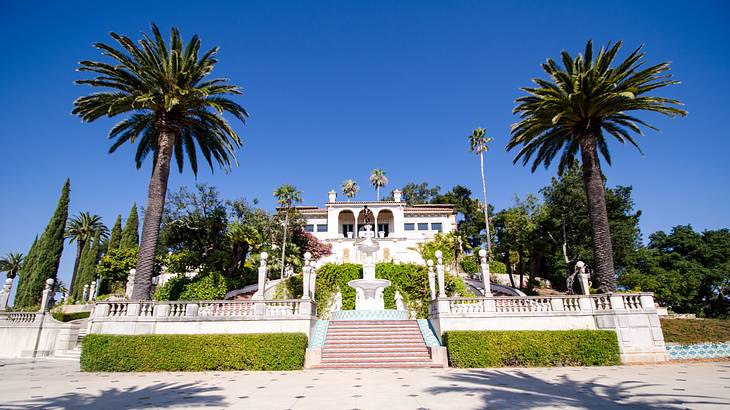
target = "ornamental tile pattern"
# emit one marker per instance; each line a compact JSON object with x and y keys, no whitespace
{"x":678,"y":351}
{"x":428,"y":334}
{"x":319,"y":334}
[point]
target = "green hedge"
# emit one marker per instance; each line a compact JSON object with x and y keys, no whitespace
{"x":691,"y":331}
{"x":532,"y":348}
{"x":114,"y":353}
{"x":67,"y":317}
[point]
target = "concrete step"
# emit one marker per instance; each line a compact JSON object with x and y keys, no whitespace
{"x":375,"y":356}
{"x":356,"y":365}
{"x":370,"y":348}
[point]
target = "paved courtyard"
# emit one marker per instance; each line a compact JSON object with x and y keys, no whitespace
{"x":60,"y":384}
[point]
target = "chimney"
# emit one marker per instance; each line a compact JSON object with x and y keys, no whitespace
{"x":332,"y":196}
{"x":396,"y":195}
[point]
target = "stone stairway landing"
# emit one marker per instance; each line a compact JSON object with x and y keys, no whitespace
{"x":374,"y":344}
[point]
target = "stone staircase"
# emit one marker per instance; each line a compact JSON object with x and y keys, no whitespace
{"x":374,"y":344}
{"x":75,"y":353}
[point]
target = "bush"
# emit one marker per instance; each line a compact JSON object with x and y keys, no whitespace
{"x":144,"y":353}
{"x":690,"y":331}
{"x":67,"y":317}
{"x":532,"y":348}
{"x":469,"y":265}
{"x":210,"y":286}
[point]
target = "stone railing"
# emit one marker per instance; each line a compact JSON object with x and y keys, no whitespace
{"x":204,"y":310}
{"x":543,"y":304}
{"x":20,"y":318}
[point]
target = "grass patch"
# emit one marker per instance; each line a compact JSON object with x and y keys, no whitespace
{"x":689,"y":331}
{"x":532,"y":348}
{"x":67,"y":317}
{"x":146,"y":353}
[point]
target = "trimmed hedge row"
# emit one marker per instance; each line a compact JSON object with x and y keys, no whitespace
{"x":532,"y":348}
{"x":67,"y":317}
{"x":143,"y":353}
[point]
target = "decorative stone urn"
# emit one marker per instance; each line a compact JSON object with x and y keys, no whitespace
{"x":368,"y":290}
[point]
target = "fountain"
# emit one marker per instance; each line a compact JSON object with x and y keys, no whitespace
{"x":368,"y":290}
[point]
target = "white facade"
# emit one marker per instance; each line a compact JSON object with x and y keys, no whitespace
{"x":399,"y":227}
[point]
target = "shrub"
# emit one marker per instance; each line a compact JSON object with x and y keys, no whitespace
{"x":469,"y":265}
{"x":690,"y":331}
{"x":142,"y":353}
{"x":67,"y":317}
{"x":532,"y":348}
{"x":497,"y":267}
{"x":205,"y":286}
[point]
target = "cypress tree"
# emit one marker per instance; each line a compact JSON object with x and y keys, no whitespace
{"x":47,"y":254}
{"x":130,"y":234}
{"x":77,"y":290}
{"x":116,"y":234}
{"x":87,"y":266}
{"x":28,"y":266}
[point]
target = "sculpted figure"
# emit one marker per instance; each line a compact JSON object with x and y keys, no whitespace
{"x":399,"y":304}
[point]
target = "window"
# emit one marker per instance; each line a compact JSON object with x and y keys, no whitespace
{"x":423,"y":226}
{"x":436,"y":226}
{"x":409,"y":227}
{"x":346,"y":228}
{"x":322,"y":228}
{"x":384,"y":229}
{"x":308,"y":228}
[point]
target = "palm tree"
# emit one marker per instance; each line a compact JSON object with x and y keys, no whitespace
{"x":11,"y":264}
{"x":81,"y":229}
{"x":286,"y":196}
{"x":171,"y":106}
{"x":350,"y":188}
{"x":583,"y":102}
{"x":378,"y":180}
{"x":478,"y":144}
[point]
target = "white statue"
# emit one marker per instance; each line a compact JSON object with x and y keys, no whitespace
{"x":338,"y":302}
{"x":399,"y":305}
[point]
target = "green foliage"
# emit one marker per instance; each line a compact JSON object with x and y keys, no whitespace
{"x":690,"y":331}
{"x":497,"y":267}
{"x":116,"y":235}
{"x":146,"y":353}
{"x":11,"y":264}
{"x":113,"y":269}
{"x":532,"y":348}
{"x":87,"y":265}
{"x":448,"y":243}
{"x":688,"y":271}
{"x":413,"y":193}
{"x":45,"y":255}
{"x":205,"y":286}
{"x":67,"y":317}
{"x":410,"y":279}
{"x":130,"y":234}
{"x":470,"y":265}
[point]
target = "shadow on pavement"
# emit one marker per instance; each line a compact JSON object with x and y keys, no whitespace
{"x":519,"y":390}
{"x":160,"y":395}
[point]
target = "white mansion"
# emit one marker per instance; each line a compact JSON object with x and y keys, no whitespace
{"x":398,"y":226}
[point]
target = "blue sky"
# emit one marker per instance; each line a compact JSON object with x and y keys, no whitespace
{"x":336,"y":89}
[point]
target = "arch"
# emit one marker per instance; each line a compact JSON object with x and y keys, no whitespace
{"x":345,"y":222}
{"x":385,"y":223}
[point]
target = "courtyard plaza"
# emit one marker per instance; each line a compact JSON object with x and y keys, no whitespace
{"x":58,"y":384}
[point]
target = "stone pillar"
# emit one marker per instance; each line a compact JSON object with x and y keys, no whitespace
{"x":583,"y":277}
{"x":617,"y":301}
{"x":332,"y":196}
{"x":259,"y":295}
{"x":130,"y":282}
{"x":5,"y":294}
{"x":46,"y":297}
{"x":440,"y":273}
{"x":396,"y":195}
{"x":306,"y":269}
{"x":485,"y":273}
{"x":85,"y":293}
{"x":647,"y":302}
{"x":191,"y":309}
{"x":92,"y":291}
{"x":431,"y":279}
{"x":312,"y":279}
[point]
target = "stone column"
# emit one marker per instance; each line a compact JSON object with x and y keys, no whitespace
{"x":583,"y":277}
{"x":46,"y":297}
{"x":259,"y":295}
{"x":130,"y":283}
{"x":485,"y":272}
{"x":431,"y":279}
{"x":312,"y":279}
{"x":85,"y":293}
{"x":5,"y":294}
{"x":440,"y":273}
{"x":92,"y":291}
{"x":306,"y":269}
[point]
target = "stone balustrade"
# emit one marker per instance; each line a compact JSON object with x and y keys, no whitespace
{"x":210,"y":310}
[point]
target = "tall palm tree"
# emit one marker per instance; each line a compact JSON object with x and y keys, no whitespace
{"x":583,"y":102}
{"x":378,"y":180}
{"x":171,"y":107}
{"x":478,"y":144}
{"x":286,"y":196}
{"x":81,"y":229}
{"x":350,"y":188}
{"x":11,"y":264}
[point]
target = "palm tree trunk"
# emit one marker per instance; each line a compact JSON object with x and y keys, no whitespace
{"x":377,"y":193}
{"x":283,"y":244}
{"x":601,"y":235}
{"x":79,"y":246}
{"x":153,"y":216}
{"x":486,"y":209}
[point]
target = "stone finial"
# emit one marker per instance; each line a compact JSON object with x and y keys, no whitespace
{"x":429,"y":263}
{"x":482,"y":253}
{"x":264,"y":256}
{"x":396,"y":195}
{"x":307,"y":257}
{"x":332,"y":196}
{"x":439,"y":257}
{"x":46,"y":296}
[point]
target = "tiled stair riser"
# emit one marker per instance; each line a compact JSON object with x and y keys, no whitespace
{"x":698,"y":351}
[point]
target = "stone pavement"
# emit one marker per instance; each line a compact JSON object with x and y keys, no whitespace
{"x":59,"y":384}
